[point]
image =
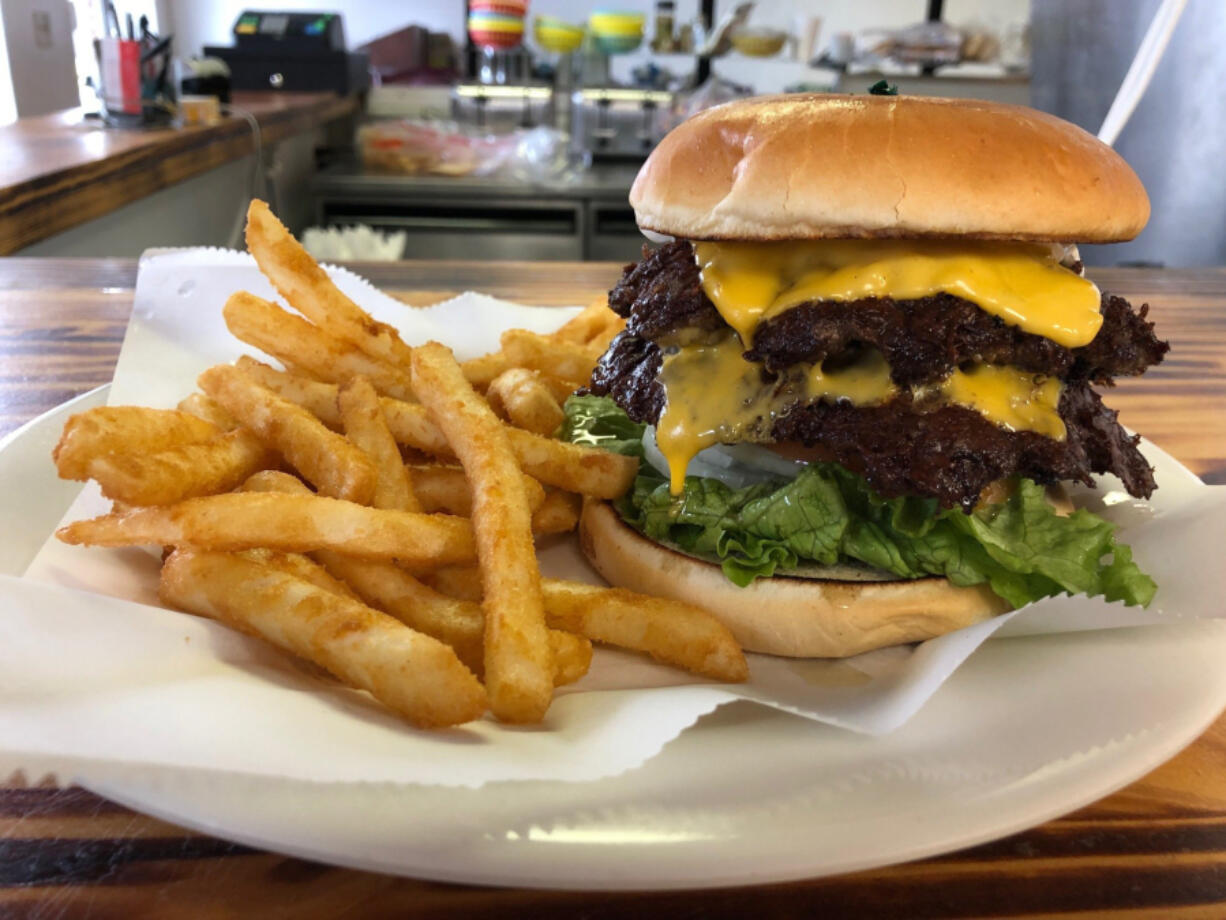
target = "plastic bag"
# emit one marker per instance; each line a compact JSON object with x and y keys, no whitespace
{"x":411,"y":147}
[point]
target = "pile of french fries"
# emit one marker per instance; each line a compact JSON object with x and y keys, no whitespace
{"x":373,"y":507}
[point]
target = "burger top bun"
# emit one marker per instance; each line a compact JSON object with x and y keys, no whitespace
{"x":809,"y":166}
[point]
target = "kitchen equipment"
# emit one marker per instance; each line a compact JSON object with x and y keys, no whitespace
{"x":413,"y":55}
{"x":205,"y":77}
{"x":617,"y":122}
{"x":292,"y":51}
{"x":501,"y":108}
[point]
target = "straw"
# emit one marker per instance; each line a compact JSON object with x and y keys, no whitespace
{"x":1136,"y":81}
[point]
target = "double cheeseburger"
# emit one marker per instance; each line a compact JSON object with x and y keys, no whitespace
{"x":859,"y":366}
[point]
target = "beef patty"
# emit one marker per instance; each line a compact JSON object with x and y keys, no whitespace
{"x":905,"y":447}
{"x":922,"y":340}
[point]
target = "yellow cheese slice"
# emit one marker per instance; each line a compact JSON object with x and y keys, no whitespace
{"x":1021,"y":283}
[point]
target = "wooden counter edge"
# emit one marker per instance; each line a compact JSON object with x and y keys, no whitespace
{"x":56,"y":201}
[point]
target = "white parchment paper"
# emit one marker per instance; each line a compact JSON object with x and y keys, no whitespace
{"x":92,"y":671}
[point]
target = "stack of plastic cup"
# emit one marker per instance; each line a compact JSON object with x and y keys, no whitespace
{"x":616,"y":31}
{"x":497,"y":23}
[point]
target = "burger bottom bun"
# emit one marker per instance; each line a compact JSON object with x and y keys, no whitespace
{"x":795,"y":617}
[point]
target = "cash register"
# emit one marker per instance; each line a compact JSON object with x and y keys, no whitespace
{"x":294,"y":52}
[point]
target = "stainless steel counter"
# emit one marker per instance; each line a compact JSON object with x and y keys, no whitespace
{"x":584,"y":216}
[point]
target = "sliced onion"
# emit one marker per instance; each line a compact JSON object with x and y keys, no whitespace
{"x":735,"y":465}
{"x":654,"y":237}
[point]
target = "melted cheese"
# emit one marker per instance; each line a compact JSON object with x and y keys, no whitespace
{"x":713,"y":396}
{"x":1008,"y":397}
{"x":866,"y":382}
{"x":1022,"y":284}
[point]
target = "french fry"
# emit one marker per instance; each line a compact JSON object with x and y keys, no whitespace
{"x":287,"y":523}
{"x":593,"y":324}
{"x":460,"y":624}
{"x":573,"y":467}
{"x":208,"y":409}
{"x":315,"y":396}
{"x":519,"y":396}
{"x":549,"y":356}
{"x":362,"y":418}
{"x":391,"y":589}
{"x":275,"y":481}
{"x":291,"y":339}
{"x":572,"y":656}
{"x":407,"y":605}
{"x":124,"y":430}
{"x":408,"y":422}
{"x":670,"y":631}
{"x":301,"y":566}
{"x":558,"y":513}
{"x":169,"y":476}
{"x":445,"y":488}
{"x":559,"y":389}
{"x":480,"y":372}
{"x":519,"y":665}
{"x":603,"y":339}
{"x":414,"y":675}
{"x":463,"y":582}
{"x":308,"y":289}
{"x":335,"y":466}
{"x":583,"y":326}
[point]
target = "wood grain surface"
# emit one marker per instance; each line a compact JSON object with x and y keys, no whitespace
{"x":60,"y":170}
{"x":1154,"y":849}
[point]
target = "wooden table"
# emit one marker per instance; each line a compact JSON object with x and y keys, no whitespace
{"x":62,"y":169}
{"x":1157,"y":848}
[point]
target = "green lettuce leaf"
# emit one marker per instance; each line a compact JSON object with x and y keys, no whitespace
{"x":1020,"y":547}
{"x":597,"y":421}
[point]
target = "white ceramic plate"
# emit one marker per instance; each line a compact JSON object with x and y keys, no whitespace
{"x":1026,"y":730}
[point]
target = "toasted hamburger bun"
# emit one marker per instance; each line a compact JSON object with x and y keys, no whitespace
{"x":809,"y":166}
{"x":797,"y":617}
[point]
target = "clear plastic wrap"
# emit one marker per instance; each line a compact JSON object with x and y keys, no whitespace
{"x":410,"y":147}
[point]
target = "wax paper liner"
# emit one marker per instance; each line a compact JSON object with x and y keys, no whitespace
{"x":175,"y":691}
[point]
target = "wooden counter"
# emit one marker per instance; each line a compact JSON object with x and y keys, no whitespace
{"x":60,"y":170}
{"x":1155,"y":849}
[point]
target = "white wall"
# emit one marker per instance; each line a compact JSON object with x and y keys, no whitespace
{"x":8,"y":98}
